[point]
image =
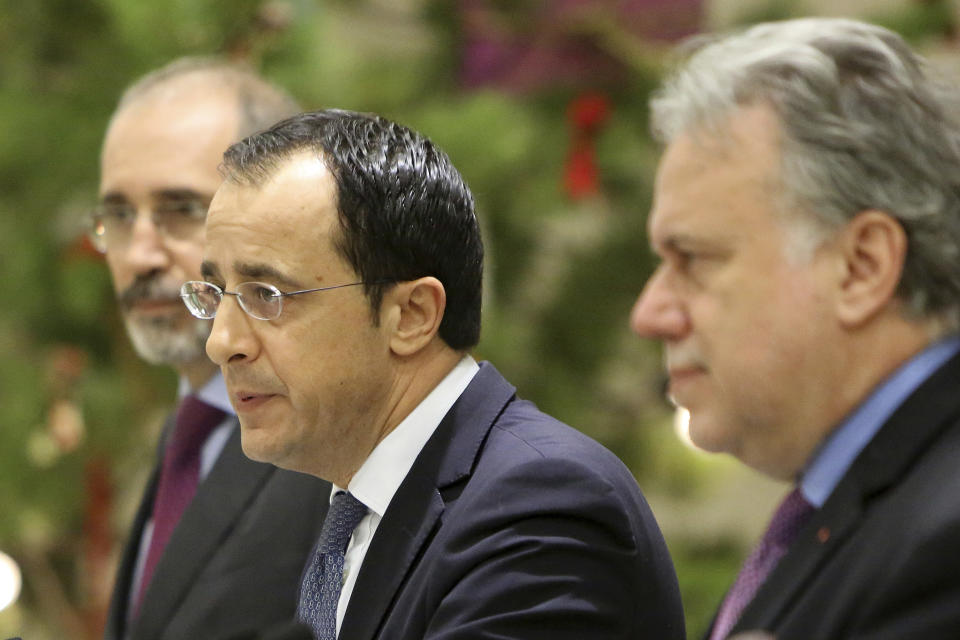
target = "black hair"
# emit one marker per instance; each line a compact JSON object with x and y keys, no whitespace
{"x":405,"y":211}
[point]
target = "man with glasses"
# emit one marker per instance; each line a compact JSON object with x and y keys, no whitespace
{"x":342,"y":273}
{"x":219,"y":541}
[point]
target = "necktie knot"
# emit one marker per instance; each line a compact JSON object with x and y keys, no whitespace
{"x":344,"y":515}
{"x":195,"y":421}
{"x":788,"y":519}
{"x":323,"y":579}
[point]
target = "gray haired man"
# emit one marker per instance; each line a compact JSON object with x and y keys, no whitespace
{"x":807,"y":214}
{"x":219,"y":541}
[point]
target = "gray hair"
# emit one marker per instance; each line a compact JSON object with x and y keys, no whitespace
{"x":261,"y":103}
{"x":864,"y":126}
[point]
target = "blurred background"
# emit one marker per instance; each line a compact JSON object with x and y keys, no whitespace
{"x":540,"y":103}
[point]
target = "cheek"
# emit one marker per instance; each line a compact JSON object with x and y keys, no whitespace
{"x":314,"y":368}
{"x":768,"y":352}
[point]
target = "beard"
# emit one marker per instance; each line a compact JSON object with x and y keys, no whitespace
{"x":175,"y":339}
{"x":168,"y":341}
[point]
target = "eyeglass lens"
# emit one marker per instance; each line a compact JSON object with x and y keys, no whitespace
{"x":180,"y":219}
{"x":262,"y":301}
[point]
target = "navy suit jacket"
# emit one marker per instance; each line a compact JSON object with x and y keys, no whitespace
{"x":234,"y":561}
{"x":511,"y":524}
{"x":881,"y":558}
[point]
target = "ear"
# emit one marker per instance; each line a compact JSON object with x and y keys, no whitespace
{"x":873,"y":247}
{"x":418,"y":307}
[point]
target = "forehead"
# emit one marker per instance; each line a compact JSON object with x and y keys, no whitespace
{"x":161,"y":142}
{"x":720,"y":181}
{"x":287,"y":221}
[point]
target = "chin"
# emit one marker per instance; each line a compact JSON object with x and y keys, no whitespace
{"x":259,"y":446}
{"x":253,"y":445}
{"x":708,"y":435}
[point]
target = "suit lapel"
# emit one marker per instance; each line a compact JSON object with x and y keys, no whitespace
{"x":826,"y":531}
{"x":883,"y":462}
{"x":416,"y":511}
{"x":221,"y":498}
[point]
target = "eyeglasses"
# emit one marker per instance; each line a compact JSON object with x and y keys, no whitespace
{"x":112,"y":222}
{"x":258,"y":299}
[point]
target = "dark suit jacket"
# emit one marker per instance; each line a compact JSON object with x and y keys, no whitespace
{"x":235,"y":559}
{"x":513,"y":525}
{"x":881,"y":559}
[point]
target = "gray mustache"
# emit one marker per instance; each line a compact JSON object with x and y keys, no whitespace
{"x":147,"y":288}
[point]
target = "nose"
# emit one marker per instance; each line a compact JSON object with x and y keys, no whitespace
{"x":147,"y":251}
{"x":232,"y":339}
{"x":658,"y":312}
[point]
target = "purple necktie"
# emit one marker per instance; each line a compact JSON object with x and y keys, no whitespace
{"x":179,"y":477}
{"x":790,"y":516}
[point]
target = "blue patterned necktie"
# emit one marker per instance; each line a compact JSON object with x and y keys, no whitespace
{"x":320,"y":591}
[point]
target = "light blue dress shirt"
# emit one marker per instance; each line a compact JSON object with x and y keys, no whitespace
{"x":843,"y":446}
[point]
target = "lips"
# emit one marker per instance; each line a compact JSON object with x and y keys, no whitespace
{"x":683,"y":373}
{"x":251,"y":396}
{"x":249,"y":400}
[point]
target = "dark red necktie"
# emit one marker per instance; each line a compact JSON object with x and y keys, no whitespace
{"x":179,"y":477}
{"x":790,"y":516}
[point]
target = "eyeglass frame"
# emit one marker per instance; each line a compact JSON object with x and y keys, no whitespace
{"x":276,"y":293}
{"x":97,"y":225}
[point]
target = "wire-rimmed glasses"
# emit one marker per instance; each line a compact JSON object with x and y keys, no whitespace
{"x":111,"y":223}
{"x":258,"y":299}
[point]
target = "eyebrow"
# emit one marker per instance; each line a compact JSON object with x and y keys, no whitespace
{"x":255,"y":271}
{"x":680,"y":241}
{"x":181,"y":194}
{"x":209,"y":270}
{"x":261,"y":271}
{"x":113,"y":197}
{"x":677,"y":242}
{"x":174,"y":194}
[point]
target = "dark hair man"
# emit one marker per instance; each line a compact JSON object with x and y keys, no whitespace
{"x":344,"y":267}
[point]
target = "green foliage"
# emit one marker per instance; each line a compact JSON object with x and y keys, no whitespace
{"x":770,"y":11}
{"x":918,"y":22}
{"x":562,"y":274}
{"x":705,"y":575}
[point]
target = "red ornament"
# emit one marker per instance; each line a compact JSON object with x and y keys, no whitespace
{"x":589,"y":111}
{"x":586,"y":115}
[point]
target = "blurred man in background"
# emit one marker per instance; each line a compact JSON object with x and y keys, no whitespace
{"x":343,"y":271}
{"x":807,"y":214}
{"x":219,"y":542}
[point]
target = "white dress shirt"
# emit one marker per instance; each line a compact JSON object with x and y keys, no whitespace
{"x":378,"y":479}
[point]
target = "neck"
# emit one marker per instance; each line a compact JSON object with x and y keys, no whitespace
{"x":870,"y":355}
{"x":876,"y":353}
{"x":415,"y":378}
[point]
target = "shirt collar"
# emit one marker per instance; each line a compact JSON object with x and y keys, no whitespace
{"x":381,"y":474}
{"x":214,"y":392}
{"x":842,"y":447}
